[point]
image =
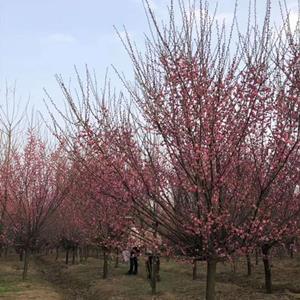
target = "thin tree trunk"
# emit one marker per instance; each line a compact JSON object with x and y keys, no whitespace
{"x":105,"y":265}
{"x":117,"y":259}
{"x":86,"y":253}
{"x":80,"y":254}
{"x":26,"y":263}
{"x":267,"y":267}
{"x":67,"y":256}
{"x":211,"y":279}
{"x":153,"y":275}
{"x":73,"y":255}
{"x":256,"y":256}
{"x":21,"y":255}
{"x":233,"y":265}
{"x":292,"y":251}
{"x":194,"y":269}
{"x":249,"y":266}
{"x":57,"y":253}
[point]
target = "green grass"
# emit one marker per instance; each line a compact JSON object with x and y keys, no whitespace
{"x":10,"y":278}
{"x":12,"y":286}
{"x":8,"y":287}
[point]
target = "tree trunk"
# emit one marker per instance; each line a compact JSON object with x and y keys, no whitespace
{"x":21,"y":255}
{"x":267,"y":267}
{"x":57,"y":253}
{"x":194,"y":269}
{"x":26,"y":263}
{"x":233,"y":265}
{"x":211,"y":279}
{"x":105,"y":265}
{"x":292,"y":251}
{"x":86,"y":253}
{"x":153,"y":275}
{"x":73,"y":255}
{"x":67,"y":256}
{"x":249,"y":267}
{"x":117,"y":259}
{"x":80,"y":254}
{"x":256,"y":256}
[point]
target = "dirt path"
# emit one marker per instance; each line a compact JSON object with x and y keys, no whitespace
{"x":59,"y":276}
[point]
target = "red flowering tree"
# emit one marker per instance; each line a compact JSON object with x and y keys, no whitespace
{"x":10,"y":121}
{"x":38,"y":186}
{"x":272,"y":146}
{"x":70,"y":234}
{"x":213,"y":113}
{"x":213,"y":134}
{"x":101,"y":200}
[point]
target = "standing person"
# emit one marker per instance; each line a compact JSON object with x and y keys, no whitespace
{"x":134,"y":253}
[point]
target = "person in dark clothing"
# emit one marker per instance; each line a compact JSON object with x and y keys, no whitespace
{"x":133,"y":261}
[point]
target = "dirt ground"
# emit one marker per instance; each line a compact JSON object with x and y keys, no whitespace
{"x":50,"y":279}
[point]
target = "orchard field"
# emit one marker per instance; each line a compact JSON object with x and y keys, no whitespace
{"x":193,"y":168}
{"x":52,"y":279}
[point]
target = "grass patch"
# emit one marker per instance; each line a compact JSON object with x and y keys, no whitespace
{"x":6,"y":288}
{"x":50,"y":279}
{"x":12,"y":287}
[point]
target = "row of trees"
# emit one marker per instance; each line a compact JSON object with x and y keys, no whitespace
{"x":204,"y":150}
